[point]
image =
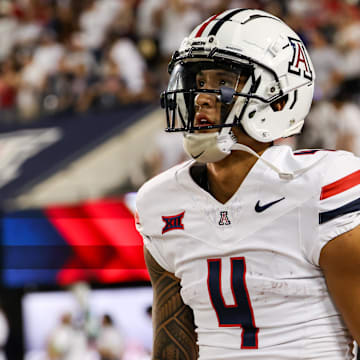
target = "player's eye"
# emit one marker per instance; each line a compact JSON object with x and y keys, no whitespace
{"x":200,"y":83}
{"x":222,"y":82}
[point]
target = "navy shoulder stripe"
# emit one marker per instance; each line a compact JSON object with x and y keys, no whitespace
{"x":343,"y":210}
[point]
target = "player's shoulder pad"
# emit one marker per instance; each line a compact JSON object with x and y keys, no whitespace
{"x":334,"y":164}
{"x":340,"y":185}
{"x":339,"y":201}
{"x":339,"y":165}
{"x":309,"y":155}
{"x":159,"y":196}
{"x":160,"y":185}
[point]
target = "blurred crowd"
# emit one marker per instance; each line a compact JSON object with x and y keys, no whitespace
{"x":59,"y":56}
{"x":82,"y":333}
{"x":69,"y":341}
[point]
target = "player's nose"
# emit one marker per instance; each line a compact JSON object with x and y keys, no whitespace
{"x":205,"y":100}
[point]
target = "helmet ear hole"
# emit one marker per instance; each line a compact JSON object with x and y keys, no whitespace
{"x":279,"y":104}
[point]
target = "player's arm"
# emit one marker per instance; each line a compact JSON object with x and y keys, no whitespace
{"x":340,"y":261}
{"x":173,"y":321}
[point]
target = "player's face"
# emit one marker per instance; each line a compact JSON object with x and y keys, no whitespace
{"x":207,"y":105}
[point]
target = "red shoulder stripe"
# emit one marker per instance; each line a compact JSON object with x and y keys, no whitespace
{"x":340,"y":185}
{"x":204,"y":25}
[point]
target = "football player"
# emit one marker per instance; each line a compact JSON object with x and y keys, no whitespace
{"x":253,"y":250}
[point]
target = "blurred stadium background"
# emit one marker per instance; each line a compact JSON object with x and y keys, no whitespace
{"x":80,"y":132}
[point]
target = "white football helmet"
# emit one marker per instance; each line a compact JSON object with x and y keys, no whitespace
{"x":247,"y":42}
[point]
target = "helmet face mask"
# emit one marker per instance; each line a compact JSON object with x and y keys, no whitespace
{"x":185,"y":85}
{"x":251,"y":44}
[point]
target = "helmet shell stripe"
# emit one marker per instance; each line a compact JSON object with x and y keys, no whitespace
{"x":221,"y":21}
{"x":205,"y":24}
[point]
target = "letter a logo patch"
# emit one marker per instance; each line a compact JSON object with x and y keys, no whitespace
{"x":224,"y":220}
{"x":300,"y":64}
{"x":173,"y":222}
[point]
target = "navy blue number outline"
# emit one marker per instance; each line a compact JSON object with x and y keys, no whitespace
{"x":249,"y":335}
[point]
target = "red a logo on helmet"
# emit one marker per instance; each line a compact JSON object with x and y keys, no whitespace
{"x":300,"y":65}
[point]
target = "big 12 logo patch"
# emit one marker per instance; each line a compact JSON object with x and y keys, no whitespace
{"x":300,"y":64}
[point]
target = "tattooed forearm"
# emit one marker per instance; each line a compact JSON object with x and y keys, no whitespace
{"x":174,"y":329}
{"x":174,"y":333}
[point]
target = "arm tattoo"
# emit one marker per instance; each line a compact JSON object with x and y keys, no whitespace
{"x":173,"y":321}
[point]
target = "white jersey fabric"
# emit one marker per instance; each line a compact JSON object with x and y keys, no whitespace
{"x":249,"y":268}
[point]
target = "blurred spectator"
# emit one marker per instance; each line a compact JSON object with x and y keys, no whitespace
{"x":125,"y":21}
{"x":327,"y":63}
{"x":129,"y":64}
{"x":61,"y":339}
{"x":110,"y":342}
{"x":69,"y":342}
{"x":105,"y":92}
{"x":28,"y":29}
{"x":148,"y":37}
{"x":8,"y":26}
{"x":31,"y":84}
{"x":174,"y":20}
{"x":48,"y":54}
{"x":145,"y":24}
{"x":9,"y":82}
{"x":334,"y":124}
{"x":95,"y":20}
{"x":64,"y":89}
{"x":63,"y":19}
{"x":303,"y":8}
{"x":164,"y":152}
{"x":38,"y":68}
{"x":348,"y":41}
{"x":76,"y":59}
{"x":348,"y":117}
{"x":321,"y":127}
{"x":167,"y":152}
{"x":211,"y":7}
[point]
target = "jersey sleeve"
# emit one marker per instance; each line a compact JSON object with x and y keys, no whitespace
{"x":147,"y":224}
{"x":339,"y":203}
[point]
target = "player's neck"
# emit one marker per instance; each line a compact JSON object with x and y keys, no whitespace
{"x":225,"y":176}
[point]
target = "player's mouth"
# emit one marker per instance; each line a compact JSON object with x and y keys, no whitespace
{"x":201,"y":120}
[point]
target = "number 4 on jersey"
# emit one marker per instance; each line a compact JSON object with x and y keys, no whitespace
{"x":240,"y":314}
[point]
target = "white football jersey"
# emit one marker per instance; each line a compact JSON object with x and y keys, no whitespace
{"x":249,"y":268}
